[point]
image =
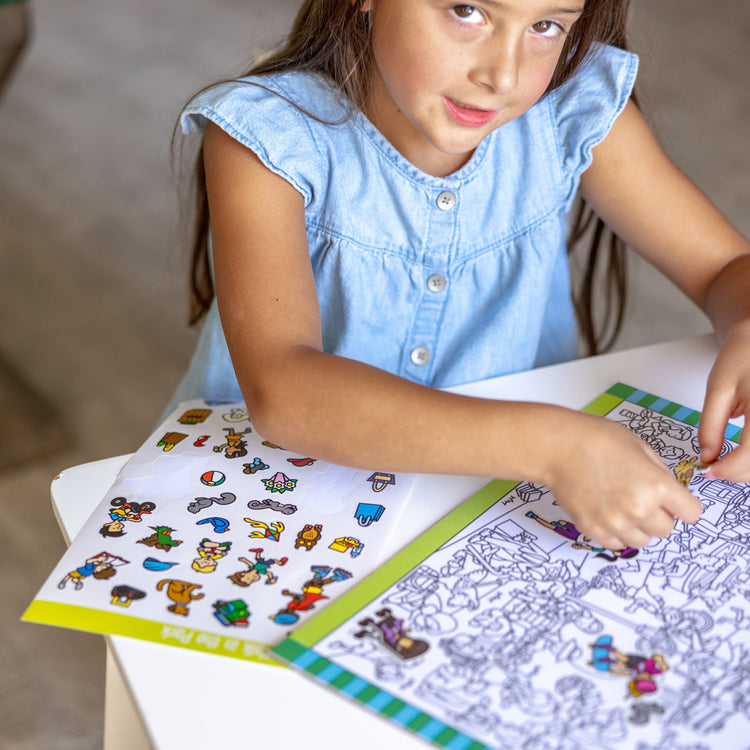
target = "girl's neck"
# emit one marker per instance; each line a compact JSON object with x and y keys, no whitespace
{"x":394,"y":126}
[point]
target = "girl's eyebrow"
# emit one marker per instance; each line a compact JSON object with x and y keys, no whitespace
{"x":551,"y":11}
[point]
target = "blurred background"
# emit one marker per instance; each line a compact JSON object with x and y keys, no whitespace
{"x":93,"y":258}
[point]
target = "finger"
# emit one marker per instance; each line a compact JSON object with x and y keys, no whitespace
{"x":683,"y":505}
{"x":635,"y":538}
{"x":660,"y":524}
{"x":734,"y":466}
{"x":614,"y":540}
{"x":717,"y":409}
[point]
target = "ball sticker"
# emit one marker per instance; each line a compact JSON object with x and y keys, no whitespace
{"x":212,"y":478}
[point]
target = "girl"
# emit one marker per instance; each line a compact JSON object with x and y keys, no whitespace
{"x":388,"y":198}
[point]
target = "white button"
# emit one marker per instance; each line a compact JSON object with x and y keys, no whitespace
{"x":446,"y":200}
{"x":420,"y":356}
{"x":436,"y":283}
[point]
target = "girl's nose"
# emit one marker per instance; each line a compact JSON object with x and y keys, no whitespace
{"x":498,"y":66}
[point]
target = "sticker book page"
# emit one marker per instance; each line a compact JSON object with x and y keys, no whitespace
{"x":214,"y":539}
{"x":503,"y":627}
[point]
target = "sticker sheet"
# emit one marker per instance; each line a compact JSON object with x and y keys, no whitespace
{"x":213,"y":538}
{"x":504,"y":627}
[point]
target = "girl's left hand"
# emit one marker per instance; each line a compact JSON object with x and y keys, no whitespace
{"x":728,"y":396}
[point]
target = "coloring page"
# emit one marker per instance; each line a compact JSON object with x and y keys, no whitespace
{"x":215,"y":539}
{"x":516,"y":631}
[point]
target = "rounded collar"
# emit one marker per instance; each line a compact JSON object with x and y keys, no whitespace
{"x":395,"y":158}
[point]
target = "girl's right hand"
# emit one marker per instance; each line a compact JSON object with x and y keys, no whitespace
{"x":613,"y":485}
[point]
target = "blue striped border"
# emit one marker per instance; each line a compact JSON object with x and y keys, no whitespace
{"x":380,"y":701}
{"x":668,"y":408}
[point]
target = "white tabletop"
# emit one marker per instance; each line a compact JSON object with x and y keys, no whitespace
{"x":188,"y":699}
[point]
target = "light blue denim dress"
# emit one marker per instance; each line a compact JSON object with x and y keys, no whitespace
{"x":442,"y":280}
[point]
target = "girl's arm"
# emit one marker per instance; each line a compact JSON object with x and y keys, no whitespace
{"x":661,"y":214}
{"x":611,"y":484}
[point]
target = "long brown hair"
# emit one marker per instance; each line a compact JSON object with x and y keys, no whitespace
{"x":332,"y":37}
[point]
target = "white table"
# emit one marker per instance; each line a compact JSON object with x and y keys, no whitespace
{"x":172,"y":698}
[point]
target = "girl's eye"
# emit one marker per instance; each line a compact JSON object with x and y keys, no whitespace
{"x":548,"y":28}
{"x":467,"y":13}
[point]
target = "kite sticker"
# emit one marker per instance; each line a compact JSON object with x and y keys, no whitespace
{"x":214,"y":546}
{"x":503,"y":627}
{"x":270,"y":531}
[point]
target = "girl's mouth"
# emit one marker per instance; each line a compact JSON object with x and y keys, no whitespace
{"x":470,"y":117}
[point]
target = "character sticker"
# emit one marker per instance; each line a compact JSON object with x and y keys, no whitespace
{"x":181,"y":594}
{"x":309,"y":536}
{"x":390,"y":632}
{"x":312,"y":592}
{"x":161,"y":539}
{"x":209,"y":553}
{"x":256,"y":569}
{"x":641,"y":670}
{"x":214,"y":548}
{"x":233,"y":446}
{"x":99,"y":567}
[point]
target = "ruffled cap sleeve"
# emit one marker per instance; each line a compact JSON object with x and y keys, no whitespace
{"x":268,"y":115}
{"x":585,"y":107}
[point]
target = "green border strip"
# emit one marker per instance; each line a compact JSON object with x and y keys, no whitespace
{"x":409,"y":558}
{"x":114,"y":623}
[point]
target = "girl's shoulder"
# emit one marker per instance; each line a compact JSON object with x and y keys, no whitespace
{"x":280,"y":99}
{"x":607,"y":71}
{"x":579,"y":114}
{"x":287,"y":119}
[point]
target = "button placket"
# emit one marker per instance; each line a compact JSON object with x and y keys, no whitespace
{"x":425,"y":332}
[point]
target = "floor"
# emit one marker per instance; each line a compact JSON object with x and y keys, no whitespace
{"x":92,"y":263}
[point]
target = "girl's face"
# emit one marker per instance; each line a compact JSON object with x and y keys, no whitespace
{"x":449,"y":74}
